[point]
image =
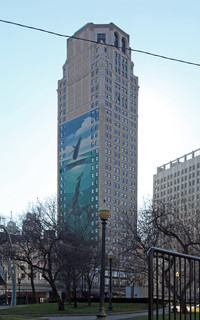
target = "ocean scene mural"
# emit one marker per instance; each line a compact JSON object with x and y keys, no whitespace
{"x":79,"y":170}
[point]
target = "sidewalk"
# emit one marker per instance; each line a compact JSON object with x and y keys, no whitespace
{"x":109,"y":316}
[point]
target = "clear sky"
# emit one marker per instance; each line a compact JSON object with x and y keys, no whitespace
{"x":31,"y":63}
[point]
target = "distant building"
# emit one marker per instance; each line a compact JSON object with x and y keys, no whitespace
{"x":137,"y":292}
{"x":43,"y":290}
{"x":98,"y":132}
{"x":12,"y":227}
{"x":178,"y":182}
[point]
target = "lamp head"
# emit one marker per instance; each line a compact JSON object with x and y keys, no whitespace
{"x":111,"y":255}
{"x":104,"y":212}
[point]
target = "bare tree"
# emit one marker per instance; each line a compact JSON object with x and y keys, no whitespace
{"x":39,"y":245}
{"x":80,"y":262}
{"x":161,"y":225}
{"x":59,"y":253}
{"x":91,"y":266}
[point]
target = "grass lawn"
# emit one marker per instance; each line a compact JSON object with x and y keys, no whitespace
{"x":27,"y":311}
{"x":166,"y":317}
{"x":132,"y":318}
{"x":16,"y":318}
{"x":82,"y":308}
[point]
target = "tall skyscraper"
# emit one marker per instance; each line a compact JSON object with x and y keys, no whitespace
{"x":98,"y":132}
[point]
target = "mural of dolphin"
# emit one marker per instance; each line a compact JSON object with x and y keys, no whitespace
{"x":76,"y":149}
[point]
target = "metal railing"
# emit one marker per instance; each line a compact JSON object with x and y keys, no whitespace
{"x":174,"y":285}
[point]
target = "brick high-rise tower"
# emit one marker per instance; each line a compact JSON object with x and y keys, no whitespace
{"x":98,"y":131}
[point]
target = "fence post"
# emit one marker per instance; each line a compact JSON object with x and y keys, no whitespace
{"x":150,"y":283}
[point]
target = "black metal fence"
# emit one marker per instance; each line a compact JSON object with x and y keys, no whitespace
{"x":174,"y":285}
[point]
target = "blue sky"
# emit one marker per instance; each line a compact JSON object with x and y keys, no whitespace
{"x":31,"y":64}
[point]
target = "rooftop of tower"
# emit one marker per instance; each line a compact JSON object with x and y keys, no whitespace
{"x":91,"y":25}
{"x":179,"y":160}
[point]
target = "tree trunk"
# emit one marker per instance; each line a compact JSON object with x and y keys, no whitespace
{"x":89,"y":294}
{"x":58,"y":299}
{"x":75,"y":295}
{"x":61,"y":305}
{"x":68,"y":294}
{"x":33,"y":286}
{"x":60,"y":302}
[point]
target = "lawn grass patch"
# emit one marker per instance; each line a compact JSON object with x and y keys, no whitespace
{"x":16,"y":318}
{"x":172,"y":317}
{"x":82,"y":308}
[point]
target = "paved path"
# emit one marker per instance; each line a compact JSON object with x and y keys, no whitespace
{"x":109,"y":317}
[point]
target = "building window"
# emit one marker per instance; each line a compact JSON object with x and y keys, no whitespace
{"x":123,"y":45}
{"x":101,"y":37}
{"x":116,"y":41}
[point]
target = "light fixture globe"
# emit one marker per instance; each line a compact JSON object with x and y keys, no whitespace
{"x":110,"y":255}
{"x":104,"y":212}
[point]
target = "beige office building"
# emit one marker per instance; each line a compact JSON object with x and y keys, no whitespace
{"x":178,"y":183}
{"x":98,"y":132}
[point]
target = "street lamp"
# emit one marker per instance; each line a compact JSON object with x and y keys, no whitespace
{"x":19,"y":283}
{"x":104,"y":213}
{"x":110,"y":258}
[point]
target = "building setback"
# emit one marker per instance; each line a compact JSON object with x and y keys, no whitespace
{"x":98,"y":132}
{"x":178,"y":183}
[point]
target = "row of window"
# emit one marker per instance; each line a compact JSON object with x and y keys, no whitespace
{"x":62,"y":120}
{"x":176,"y":181}
{"x":63,"y":90}
{"x":182,"y":194}
{"x":116,"y":193}
{"x":120,"y":202}
{"x":96,"y":80}
{"x":94,"y":199}
{"x":122,"y":111}
{"x":120,"y":58}
{"x":117,"y":185}
{"x":62,"y":83}
{"x":108,"y":80}
{"x":94,"y":105}
{"x":95,"y":64}
{"x":182,"y":187}
{"x":181,"y":172}
{"x":118,"y":109}
{"x":95,"y":72}
{"x":120,"y":80}
{"x":108,"y":88}
{"x":62,"y":105}
{"x":117,"y":155}
{"x":119,"y":65}
{"x":95,"y":88}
